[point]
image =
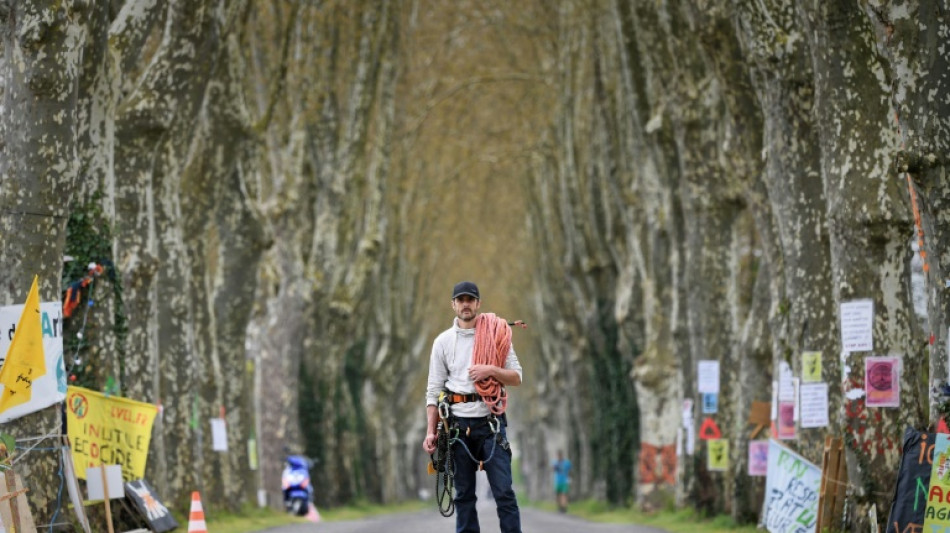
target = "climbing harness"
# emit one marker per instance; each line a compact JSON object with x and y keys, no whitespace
{"x":443,"y":460}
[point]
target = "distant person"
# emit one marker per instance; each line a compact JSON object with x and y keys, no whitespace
{"x":562,"y":480}
{"x":484,"y":434}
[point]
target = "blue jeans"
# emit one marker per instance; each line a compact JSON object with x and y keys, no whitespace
{"x":480,"y":441}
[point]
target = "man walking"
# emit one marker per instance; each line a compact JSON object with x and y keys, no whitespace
{"x":471,"y":363}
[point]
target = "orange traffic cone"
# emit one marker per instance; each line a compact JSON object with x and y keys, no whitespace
{"x":196,"y":519}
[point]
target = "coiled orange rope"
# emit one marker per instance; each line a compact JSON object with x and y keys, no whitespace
{"x":492,"y":343}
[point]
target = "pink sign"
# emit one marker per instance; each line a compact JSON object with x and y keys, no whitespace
{"x":882,"y":381}
{"x":758,"y":457}
{"x":786,"y":420}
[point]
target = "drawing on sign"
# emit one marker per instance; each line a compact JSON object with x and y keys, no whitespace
{"x":718,"y":455}
{"x":811,"y":367}
{"x":937,"y":515}
{"x":882,"y":381}
{"x":146,"y":501}
{"x":758,"y":457}
{"x":791,"y":489}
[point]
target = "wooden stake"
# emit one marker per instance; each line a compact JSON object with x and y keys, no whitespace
{"x":105,"y":493}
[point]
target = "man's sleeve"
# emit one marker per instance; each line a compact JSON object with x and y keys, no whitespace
{"x":512,"y":363}
{"x":438,"y":374}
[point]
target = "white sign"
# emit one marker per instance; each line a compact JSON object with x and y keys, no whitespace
{"x":219,"y":435}
{"x":50,"y":388}
{"x":786,"y":387}
{"x":708,"y":376}
{"x":687,"y":415}
{"x":857,"y":326}
{"x":113,"y":480}
{"x":814,"y":405}
{"x":791,"y":489}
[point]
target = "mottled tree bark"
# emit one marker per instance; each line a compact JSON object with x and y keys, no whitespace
{"x":870,"y":227}
{"x":38,"y":175}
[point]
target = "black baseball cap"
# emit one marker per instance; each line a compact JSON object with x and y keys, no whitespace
{"x":465,"y":287}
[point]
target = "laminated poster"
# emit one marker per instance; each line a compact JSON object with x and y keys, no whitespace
{"x":882,"y":381}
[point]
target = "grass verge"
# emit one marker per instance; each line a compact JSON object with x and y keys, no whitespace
{"x":249,"y":519}
{"x":680,"y":521}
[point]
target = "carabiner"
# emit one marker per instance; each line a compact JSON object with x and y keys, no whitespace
{"x":444,"y":410}
{"x":494,"y":424}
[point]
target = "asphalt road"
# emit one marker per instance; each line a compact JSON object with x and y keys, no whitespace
{"x":532,"y":521}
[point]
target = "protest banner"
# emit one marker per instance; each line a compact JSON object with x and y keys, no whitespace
{"x":108,"y":430}
{"x":791,"y":488}
{"x":937,"y":514}
{"x":50,"y":387}
{"x":913,"y":478}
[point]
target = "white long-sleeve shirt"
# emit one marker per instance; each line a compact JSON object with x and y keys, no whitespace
{"x":448,"y":369}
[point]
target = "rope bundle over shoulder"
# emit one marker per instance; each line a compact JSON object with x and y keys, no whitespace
{"x":492,"y":344}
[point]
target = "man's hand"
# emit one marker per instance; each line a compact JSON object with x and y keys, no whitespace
{"x":480,"y":372}
{"x":429,"y":443}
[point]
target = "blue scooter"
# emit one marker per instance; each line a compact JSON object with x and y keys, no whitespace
{"x":295,"y":481}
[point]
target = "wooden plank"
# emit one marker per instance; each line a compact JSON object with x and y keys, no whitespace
{"x":15,"y":509}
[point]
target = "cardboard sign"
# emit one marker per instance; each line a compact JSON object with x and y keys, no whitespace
{"x":791,"y":488}
{"x":146,"y":502}
{"x":913,"y":478}
{"x":108,"y":430}
{"x":97,"y":482}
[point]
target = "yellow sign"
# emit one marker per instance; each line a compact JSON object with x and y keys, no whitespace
{"x":25,"y":359}
{"x":937,"y":513}
{"x":811,"y":367}
{"x":108,"y":430}
{"x":717,"y":454}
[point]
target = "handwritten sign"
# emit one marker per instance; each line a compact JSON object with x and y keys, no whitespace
{"x":814,"y":405}
{"x":937,"y":514}
{"x":50,"y":388}
{"x":857,"y":326}
{"x":108,"y":430}
{"x":913,"y":478}
{"x":791,"y":491}
{"x":708,"y":376}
